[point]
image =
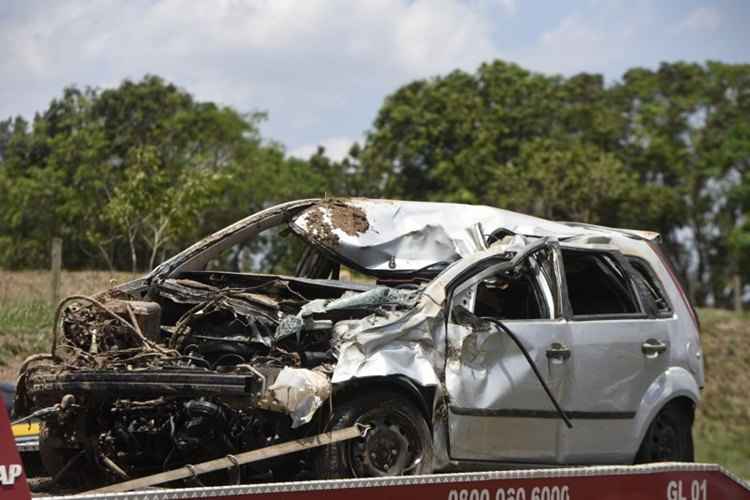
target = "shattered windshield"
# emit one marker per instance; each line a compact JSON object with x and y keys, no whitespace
{"x":277,"y":250}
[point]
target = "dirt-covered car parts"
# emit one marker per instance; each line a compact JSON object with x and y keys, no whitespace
{"x":195,"y":362}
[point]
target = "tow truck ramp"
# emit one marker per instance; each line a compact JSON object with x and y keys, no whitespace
{"x":669,"y":481}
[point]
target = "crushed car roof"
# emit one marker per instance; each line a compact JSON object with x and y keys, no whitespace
{"x":391,"y":236}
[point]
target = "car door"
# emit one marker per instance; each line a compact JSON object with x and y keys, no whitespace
{"x":618,"y":346}
{"x":498,"y":410}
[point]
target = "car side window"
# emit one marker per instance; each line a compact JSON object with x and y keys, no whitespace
{"x":650,"y":284}
{"x":514,"y":295}
{"x":597,"y":285}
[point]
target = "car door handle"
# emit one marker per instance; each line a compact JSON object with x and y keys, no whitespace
{"x":558,"y":351}
{"x":653,"y":348}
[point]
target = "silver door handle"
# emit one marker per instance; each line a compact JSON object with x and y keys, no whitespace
{"x":558,"y":351}
{"x":652,"y":348}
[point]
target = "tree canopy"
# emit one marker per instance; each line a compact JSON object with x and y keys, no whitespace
{"x":665,"y":149}
{"x":129,"y":175}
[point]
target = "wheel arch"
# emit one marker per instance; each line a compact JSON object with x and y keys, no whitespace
{"x":675,"y":386}
{"x":421,"y":396}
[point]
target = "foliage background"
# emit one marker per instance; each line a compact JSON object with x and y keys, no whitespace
{"x":129,"y":175}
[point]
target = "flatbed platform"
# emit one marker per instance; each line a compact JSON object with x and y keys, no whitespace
{"x":669,"y":481}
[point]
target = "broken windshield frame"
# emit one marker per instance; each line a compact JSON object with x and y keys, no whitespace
{"x":195,"y":257}
{"x":481,"y":272}
{"x":457,"y":275}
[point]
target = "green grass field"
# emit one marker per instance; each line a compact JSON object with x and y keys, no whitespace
{"x":722,"y":426}
{"x":26,"y":311}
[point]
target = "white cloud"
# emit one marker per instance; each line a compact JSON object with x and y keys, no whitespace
{"x":288,"y":43}
{"x":307,"y":62}
{"x":336,"y":148}
{"x":439,"y":35}
{"x":612,"y":36}
{"x":705,"y":19}
{"x":322,"y":67}
{"x":607,"y":36}
{"x":576,"y":44}
{"x":510,"y":6}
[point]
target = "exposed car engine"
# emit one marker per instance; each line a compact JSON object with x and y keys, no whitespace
{"x":193,"y":373}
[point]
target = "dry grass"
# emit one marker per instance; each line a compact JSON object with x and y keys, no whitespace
{"x":26,"y":310}
{"x":725,"y":336}
{"x":26,"y":286}
{"x":722,"y":426}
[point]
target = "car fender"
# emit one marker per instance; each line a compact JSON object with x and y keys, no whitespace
{"x":673,"y":383}
{"x":421,"y":395}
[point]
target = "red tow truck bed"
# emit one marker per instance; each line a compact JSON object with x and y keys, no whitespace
{"x":669,"y":481}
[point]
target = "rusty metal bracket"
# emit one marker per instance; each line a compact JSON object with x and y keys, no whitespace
{"x":247,"y":457}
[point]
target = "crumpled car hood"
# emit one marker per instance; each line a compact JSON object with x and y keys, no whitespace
{"x":392,"y":236}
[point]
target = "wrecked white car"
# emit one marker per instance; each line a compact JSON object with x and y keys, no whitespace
{"x":474,"y":338}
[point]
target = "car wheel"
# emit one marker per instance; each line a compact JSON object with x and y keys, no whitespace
{"x":397,"y":443}
{"x":669,"y":438}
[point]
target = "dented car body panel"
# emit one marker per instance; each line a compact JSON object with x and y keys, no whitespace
{"x":607,"y":339}
{"x":406,"y":236}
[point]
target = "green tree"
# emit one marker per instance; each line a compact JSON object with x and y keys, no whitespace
{"x":125,"y":175}
{"x":152,"y":208}
{"x":673,"y":143}
{"x":131,"y":174}
{"x":688,"y":134}
{"x":440,"y":139}
{"x":566,"y":181}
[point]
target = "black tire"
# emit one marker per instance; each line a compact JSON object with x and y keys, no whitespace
{"x":398,"y":443}
{"x":669,"y":438}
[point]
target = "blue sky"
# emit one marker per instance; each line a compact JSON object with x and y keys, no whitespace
{"x":321,"y":68}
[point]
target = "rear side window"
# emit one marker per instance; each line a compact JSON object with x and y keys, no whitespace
{"x":597,"y":285}
{"x":650,"y":284}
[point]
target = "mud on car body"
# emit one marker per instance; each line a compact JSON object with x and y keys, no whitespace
{"x":483,"y":338}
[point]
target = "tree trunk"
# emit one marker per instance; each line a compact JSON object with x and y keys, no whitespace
{"x":133,"y":253}
{"x":56,"y":269}
{"x":157,"y":242}
{"x":154,"y":250}
{"x":106,"y":256}
{"x":737,"y":286}
{"x":702,"y":271}
{"x":152,"y":259}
